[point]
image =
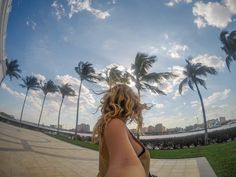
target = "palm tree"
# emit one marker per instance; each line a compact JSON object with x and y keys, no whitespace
{"x":144,"y":80}
{"x":229,"y":46}
{"x":86,"y":73}
{"x":47,"y":87}
{"x":65,"y":90}
{"x":193,"y":73}
{"x":29,"y":82}
{"x":113,"y":76}
{"x":12,"y":70}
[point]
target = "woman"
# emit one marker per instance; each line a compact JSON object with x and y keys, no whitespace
{"x":120,"y":153}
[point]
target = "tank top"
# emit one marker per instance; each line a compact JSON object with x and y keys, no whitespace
{"x":144,"y":157}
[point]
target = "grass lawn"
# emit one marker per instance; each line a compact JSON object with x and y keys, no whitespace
{"x":222,"y":157}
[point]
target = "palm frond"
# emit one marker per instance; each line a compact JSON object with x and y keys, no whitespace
{"x":30,"y":82}
{"x":190,"y":84}
{"x":157,"y":77}
{"x":201,"y":82}
{"x":13,"y":69}
{"x":204,"y":70}
{"x":143,"y":63}
{"x":182,"y":84}
{"x":154,"y":89}
{"x":49,"y":86}
{"x":66,"y":90}
{"x":86,"y":72}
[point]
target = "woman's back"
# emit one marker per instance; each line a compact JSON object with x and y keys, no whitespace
{"x":138,"y":148}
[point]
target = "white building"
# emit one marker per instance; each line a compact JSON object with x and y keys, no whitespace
{"x":5,"y":8}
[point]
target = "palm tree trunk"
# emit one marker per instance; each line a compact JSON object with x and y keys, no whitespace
{"x":204,"y":114}
{"x":22,"y":110}
{"x":77,"y":112}
{"x":138,"y":126}
{"x":41,"y":109}
{"x":59,"y":115}
{"x":2,"y":80}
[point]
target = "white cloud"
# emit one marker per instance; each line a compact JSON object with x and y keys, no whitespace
{"x":159,"y":106}
{"x":79,"y":5}
{"x":58,"y":9}
{"x":30,"y":23}
{"x":214,"y":13}
{"x":194,"y":103}
{"x":12,"y":92}
{"x":217,"y":96}
{"x":200,"y":22}
{"x":210,"y":60}
{"x":176,"y":50}
{"x":231,"y":4}
{"x":40,"y":77}
{"x":87,"y":100}
{"x":172,"y":3}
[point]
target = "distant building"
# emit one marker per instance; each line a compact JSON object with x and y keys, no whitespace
{"x":145,"y":129}
{"x":222,"y":120}
{"x":83,"y":128}
{"x":55,"y":126}
{"x":151,"y":129}
{"x":159,"y":129}
{"x":174,"y":130}
{"x":213,"y":123}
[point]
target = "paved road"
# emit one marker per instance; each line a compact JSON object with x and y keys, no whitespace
{"x":26,"y":153}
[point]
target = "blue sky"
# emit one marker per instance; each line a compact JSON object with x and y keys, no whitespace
{"x":49,"y":38}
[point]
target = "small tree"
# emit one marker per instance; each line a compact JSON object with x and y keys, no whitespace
{"x":192,"y":74}
{"x":65,"y":90}
{"x":86,"y":72}
{"x":47,"y":87}
{"x":12,"y":70}
{"x":144,"y":80}
{"x":29,"y":82}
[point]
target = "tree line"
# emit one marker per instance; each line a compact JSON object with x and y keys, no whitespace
{"x":140,"y":75}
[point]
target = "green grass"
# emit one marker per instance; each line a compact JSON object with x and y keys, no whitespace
{"x":222,"y":157}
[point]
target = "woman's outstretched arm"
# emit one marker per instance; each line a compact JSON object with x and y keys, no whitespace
{"x":123,"y":161}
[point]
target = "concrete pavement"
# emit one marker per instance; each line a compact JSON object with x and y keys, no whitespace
{"x":27,"y":153}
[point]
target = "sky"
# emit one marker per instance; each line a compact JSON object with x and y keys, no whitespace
{"x":49,"y":38}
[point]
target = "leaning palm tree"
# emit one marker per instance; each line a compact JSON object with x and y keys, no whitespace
{"x":47,"y":87}
{"x":229,"y":46}
{"x":12,"y":70}
{"x":193,"y":73}
{"x":113,"y":76}
{"x":65,"y":90}
{"x":86,"y":72}
{"x":29,"y":82}
{"x":144,"y":80}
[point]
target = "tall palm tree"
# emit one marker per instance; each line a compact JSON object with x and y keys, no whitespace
{"x":113,"y":76}
{"x":29,"y":82}
{"x":47,"y":87}
{"x":193,"y":73}
{"x":229,"y":46}
{"x":144,"y":80}
{"x":86,"y":72}
{"x":65,"y":90}
{"x":12,"y":70}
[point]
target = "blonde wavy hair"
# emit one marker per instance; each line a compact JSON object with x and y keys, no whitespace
{"x":118,"y":102}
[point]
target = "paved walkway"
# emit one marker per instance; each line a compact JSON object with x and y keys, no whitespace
{"x":26,"y":153}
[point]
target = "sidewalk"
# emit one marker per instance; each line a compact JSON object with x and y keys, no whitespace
{"x":26,"y":153}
